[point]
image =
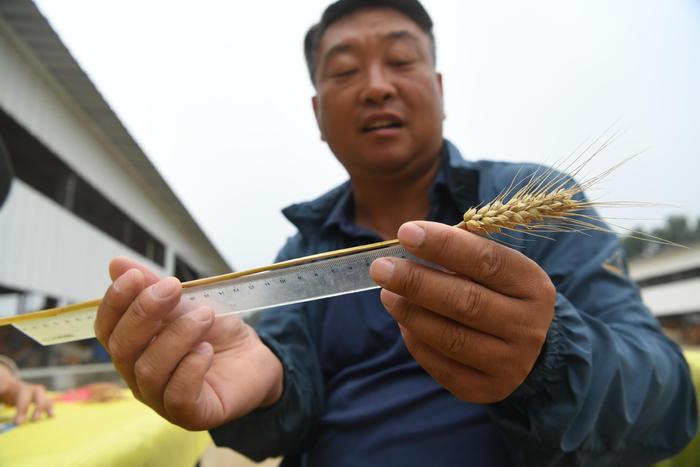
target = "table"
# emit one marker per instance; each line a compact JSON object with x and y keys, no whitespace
{"x":690,"y":456}
{"x":119,"y":433}
{"x":126,"y":433}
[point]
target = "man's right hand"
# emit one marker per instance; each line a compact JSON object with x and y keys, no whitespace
{"x":195,"y":370}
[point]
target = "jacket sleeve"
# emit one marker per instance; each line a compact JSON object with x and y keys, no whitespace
{"x":282,"y":429}
{"x":609,"y":388}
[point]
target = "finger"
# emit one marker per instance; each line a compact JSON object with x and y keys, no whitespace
{"x":47,"y":405}
{"x":467,"y":384}
{"x":184,"y":393}
{"x":451,"y":295}
{"x":42,"y":404}
{"x":484,"y":261}
{"x":140,"y":324}
{"x":121,"y":264}
{"x":116,"y":301}
{"x":157,"y":363}
{"x":467,"y":346}
{"x":24,"y":397}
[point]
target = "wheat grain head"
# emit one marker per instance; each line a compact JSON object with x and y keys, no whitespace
{"x":550,"y":200}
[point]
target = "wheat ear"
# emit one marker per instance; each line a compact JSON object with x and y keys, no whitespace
{"x":523,"y":210}
{"x":550,"y":201}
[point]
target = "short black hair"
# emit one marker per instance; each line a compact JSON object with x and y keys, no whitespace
{"x":342,"y":8}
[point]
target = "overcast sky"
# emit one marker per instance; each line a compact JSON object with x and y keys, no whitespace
{"x":217,"y":95}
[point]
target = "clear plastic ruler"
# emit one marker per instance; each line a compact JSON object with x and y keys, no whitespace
{"x":311,"y":278}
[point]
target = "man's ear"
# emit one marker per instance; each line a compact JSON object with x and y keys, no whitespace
{"x":314,"y":104}
{"x":442,"y":95}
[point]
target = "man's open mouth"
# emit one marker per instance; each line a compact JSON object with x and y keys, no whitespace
{"x":381,"y":125}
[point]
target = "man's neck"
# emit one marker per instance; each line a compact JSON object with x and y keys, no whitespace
{"x":384,"y":204}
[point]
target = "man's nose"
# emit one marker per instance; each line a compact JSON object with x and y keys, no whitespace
{"x":378,"y":87}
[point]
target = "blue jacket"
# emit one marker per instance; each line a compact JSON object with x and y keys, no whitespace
{"x":608,"y":388}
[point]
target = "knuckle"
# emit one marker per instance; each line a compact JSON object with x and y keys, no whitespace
{"x":454,"y":339}
{"x":549,"y":290}
{"x":175,"y":401}
{"x":490,"y":262}
{"x":468,"y":301}
{"x":536,"y":338}
{"x":144,"y":370}
{"x":137,"y":311}
{"x":405,"y":312}
{"x":543,"y":288}
{"x":177,"y":331}
{"x":444,"y":243}
{"x":116,"y":348}
{"x":412,"y":280}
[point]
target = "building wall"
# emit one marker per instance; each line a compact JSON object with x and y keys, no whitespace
{"x":44,"y":247}
{"x":670,"y":281}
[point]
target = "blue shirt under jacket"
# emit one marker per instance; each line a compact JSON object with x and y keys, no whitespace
{"x":608,"y":389}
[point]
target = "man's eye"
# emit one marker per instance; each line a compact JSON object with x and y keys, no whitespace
{"x":344,"y":73}
{"x":401,"y":63}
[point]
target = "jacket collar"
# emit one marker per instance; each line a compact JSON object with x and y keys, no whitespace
{"x":462,"y":181}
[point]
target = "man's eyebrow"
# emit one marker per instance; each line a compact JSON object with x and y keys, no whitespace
{"x":393,"y":36}
{"x":401,"y":35}
{"x":337,"y":49}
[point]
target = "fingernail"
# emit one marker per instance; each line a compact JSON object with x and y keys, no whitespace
{"x":165,"y":287}
{"x":381,"y":270}
{"x":411,"y":234}
{"x":201,"y":314}
{"x":204,"y":348}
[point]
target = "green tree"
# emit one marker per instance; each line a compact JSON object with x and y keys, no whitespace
{"x":676,"y":229}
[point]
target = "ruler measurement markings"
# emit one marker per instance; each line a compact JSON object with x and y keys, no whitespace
{"x":320,"y":278}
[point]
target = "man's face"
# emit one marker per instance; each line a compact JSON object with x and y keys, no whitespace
{"x":378,"y":98}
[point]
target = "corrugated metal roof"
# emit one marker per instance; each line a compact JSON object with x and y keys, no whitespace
{"x":31,"y":27}
{"x":670,"y":261}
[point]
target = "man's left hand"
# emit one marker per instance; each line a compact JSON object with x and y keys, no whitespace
{"x":478,"y":326}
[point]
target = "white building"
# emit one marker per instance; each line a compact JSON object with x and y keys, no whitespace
{"x":83,"y":190}
{"x":670,"y":281}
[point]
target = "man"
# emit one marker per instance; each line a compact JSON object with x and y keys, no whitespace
{"x":497,"y":360}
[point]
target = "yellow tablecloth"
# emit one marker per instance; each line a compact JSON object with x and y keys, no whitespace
{"x":125,"y":433}
{"x":121,"y":433}
{"x":690,"y":456}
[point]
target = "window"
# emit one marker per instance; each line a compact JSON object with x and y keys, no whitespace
{"x":184,"y":271}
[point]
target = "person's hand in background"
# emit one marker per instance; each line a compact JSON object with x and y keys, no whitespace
{"x":23,"y":395}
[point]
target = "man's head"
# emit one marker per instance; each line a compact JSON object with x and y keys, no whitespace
{"x":411,"y":8}
{"x":378,"y":99}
